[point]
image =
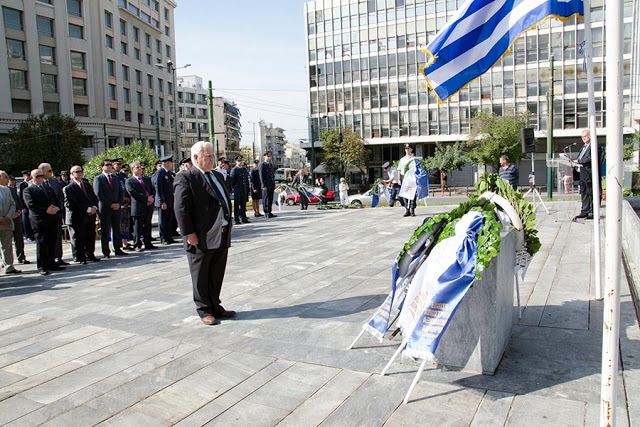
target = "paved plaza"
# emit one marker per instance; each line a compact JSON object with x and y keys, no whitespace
{"x":118,"y":342}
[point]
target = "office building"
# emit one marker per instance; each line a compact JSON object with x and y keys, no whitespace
{"x":95,"y":60}
{"x":364,"y":59}
{"x":193,"y":111}
{"x":226,"y":122}
{"x":272,"y":139}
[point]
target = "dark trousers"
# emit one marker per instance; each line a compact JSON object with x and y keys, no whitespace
{"x":28,"y":231}
{"x":45,"y":242}
{"x":166,"y":223}
{"x":82,"y":232}
{"x":304,"y":201}
{"x":18,"y":239}
{"x":207,"y":273}
{"x":239,"y":208}
{"x":267,"y":200}
{"x":586,"y":195}
{"x":410,"y":204}
{"x":142,"y":229}
{"x":110,"y":224}
{"x":57,"y":249}
{"x":393,"y":195}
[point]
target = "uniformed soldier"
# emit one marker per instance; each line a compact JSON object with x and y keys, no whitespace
{"x":164,"y":200}
{"x":256,"y":188}
{"x":239,"y":179}
{"x":185,"y":164}
{"x":118,"y":168}
{"x":268,"y":183}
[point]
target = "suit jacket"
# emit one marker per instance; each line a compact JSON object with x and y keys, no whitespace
{"x":106,"y":195}
{"x":37,"y":201}
{"x":585,"y":161}
{"x":267,"y":176}
{"x":77,"y":203}
{"x":7,"y":207}
{"x":21,"y":188}
{"x":16,"y":198}
{"x":298,"y":179}
{"x":254,"y":176}
{"x":57,"y":190}
{"x":164,"y":187}
{"x":239,"y":178}
{"x":138,"y":197}
{"x":121,"y":175}
{"x":198,"y":209}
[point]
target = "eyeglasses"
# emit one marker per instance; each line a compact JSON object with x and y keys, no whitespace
{"x":107,"y":164}
{"x":39,"y":176}
{"x":78,"y":171}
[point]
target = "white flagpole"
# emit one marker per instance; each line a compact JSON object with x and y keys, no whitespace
{"x":613,"y":251}
{"x":595,"y":174}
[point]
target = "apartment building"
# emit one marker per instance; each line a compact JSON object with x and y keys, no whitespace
{"x":272,"y":139}
{"x":193,"y":110}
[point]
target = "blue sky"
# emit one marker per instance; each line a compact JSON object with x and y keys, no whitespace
{"x":249,"y":44}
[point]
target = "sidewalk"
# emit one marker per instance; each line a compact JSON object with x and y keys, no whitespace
{"x":118,"y":342}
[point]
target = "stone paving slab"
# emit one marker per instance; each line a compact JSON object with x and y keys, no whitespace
{"x":118,"y":342}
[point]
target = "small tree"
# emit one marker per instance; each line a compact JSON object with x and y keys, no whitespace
{"x":492,"y":136}
{"x":446,"y":158}
{"x":351,"y":152}
{"x":54,"y":139}
{"x":129,"y":153}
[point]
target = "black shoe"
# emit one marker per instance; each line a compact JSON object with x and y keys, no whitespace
{"x":246,"y":221}
{"x":237,"y":222}
{"x":121,"y":253}
{"x":257,"y":215}
{"x":93,"y":259}
{"x":81,"y":262}
{"x":166,"y":242}
{"x":580,"y":216}
{"x":590,"y":216}
{"x":150,"y":247}
{"x":14,"y":271}
{"x":43,"y":272}
{"x":272,"y":216}
{"x":407,"y":213}
{"x":25,"y":261}
{"x":61,"y":262}
{"x":57,"y":268}
{"x":413,"y":212}
{"x":107,"y":255}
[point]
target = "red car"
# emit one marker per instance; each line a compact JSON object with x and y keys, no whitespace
{"x":293,"y":197}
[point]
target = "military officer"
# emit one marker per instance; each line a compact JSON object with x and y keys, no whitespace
{"x":239,"y":178}
{"x":268,"y":183}
{"x":164,"y":200}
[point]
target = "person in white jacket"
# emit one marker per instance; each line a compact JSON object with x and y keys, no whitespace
{"x":344,"y":192}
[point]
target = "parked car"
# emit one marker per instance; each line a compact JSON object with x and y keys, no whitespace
{"x":365,"y":199}
{"x":293,"y":197}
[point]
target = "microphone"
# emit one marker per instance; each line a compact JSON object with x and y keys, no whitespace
{"x":570,"y":145}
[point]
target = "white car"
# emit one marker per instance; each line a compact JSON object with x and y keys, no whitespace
{"x":365,"y":199}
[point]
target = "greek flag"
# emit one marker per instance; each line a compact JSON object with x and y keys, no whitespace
{"x":480,"y":33}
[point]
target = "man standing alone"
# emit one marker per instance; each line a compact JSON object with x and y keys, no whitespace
{"x":203,"y":212}
{"x":586,"y":181}
{"x":268,"y":183}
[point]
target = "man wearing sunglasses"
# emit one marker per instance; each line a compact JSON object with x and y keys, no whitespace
{"x":44,"y":218}
{"x":82,"y":205}
{"x":107,"y":187}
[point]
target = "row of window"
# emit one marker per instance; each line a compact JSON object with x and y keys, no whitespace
{"x":190,"y":96}
{"x":153,"y":4}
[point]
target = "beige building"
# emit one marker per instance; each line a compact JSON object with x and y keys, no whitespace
{"x":272,"y":139}
{"x":95,"y":60}
{"x":226,"y":122}
{"x":193,"y":111}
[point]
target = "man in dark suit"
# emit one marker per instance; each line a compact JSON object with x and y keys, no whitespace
{"x":586,"y":182}
{"x":45,"y":221}
{"x":298,"y":180}
{"x":52,"y":185}
{"x":256,"y":188}
{"x":203,"y":211}
{"x":164,"y":200}
{"x":107,"y":187}
{"x":268,"y":183}
{"x":28,"y":232}
{"x":82,"y":204}
{"x":239,"y":179}
{"x":142,"y":206}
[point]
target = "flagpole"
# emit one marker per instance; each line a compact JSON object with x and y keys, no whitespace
{"x":613,"y":251}
{"x":595,"y":159}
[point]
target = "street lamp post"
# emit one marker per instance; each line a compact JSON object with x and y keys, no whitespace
{"x":172,"y":69}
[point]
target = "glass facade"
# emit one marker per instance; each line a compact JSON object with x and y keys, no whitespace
{"x":364,"y":59}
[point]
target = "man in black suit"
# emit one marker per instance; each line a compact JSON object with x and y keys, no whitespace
{"x":268,"y":183}
{"x":28,"y":232}
{"x":586,"y":182}
{"x":52,"y":185}
{"x":164,"y":200}
{"x":142,"y":206}
{"x":298,"y":180}
{"x":203,"y":211}
{"x":82,"y":204}
{"x":44,"y":216}
{"x":239,"y":179}
{"x":107,"y":187}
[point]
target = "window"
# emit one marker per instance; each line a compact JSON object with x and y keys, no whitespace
{"x":149,"y":81}
{"x":125,"y":73}
{"x":80,"y":110}
{"x":111,"y":68}
{"x":168,"y":51}
{"x":136,"y":53}
{"x":47,"y":55}
{"x":154,"y":5}
{"x":126,"y":95}
{"x":15,"y":48}
{"x":12,"y":19}
{"x":124,"y":48}
{"x":21,"y":106}
{"x":145,"y":17}
{"x":139,"y":77}
{"x":76,"y":31}
{"x":122,"y":3}
{"x":114,"y":114}
{"x":112,"y":92}
{"x":108,"y":41}
{"x":139,"y":98}
{"x":127,"y":118}
{"x":167,"y":31}
{"x":151,"y":101}
{"x":149,"y":59}
{"x":78,"y":60}
{"x":45,"y":26}
{"x":147,"y":39}
{"x":169,"y":87}
{"x":160,"y":85}
{"x":158,"y":46}
{"x":49,"y":83}
{"x":123,"y":28}
{"x":45,"y":1}
{"x":18,"y":79}
{"x":51,"y":107}
{"x":133,"y":9}
{"x":74,"y":7}
{"x":136,"y":34}
{"x":108,"y":19}
{"x":166,"y":14}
